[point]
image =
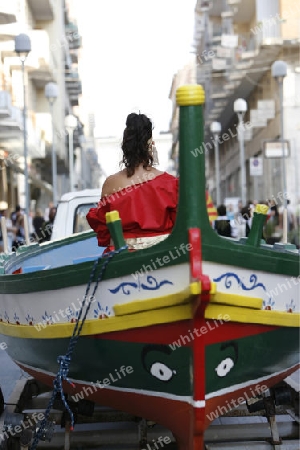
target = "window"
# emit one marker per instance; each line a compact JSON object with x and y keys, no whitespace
{"x":80,"y":222}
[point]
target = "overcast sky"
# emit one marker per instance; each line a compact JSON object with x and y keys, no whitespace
{"x":131,"y":50}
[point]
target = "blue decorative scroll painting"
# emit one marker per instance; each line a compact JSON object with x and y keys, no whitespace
{"x":151,"y":284}
{"x":230,"y":276}
{"x":252,"y":284}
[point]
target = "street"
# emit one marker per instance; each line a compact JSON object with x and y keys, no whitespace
{"x":10,"y":373}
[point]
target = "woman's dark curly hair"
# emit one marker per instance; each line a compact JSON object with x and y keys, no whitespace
{"x":135,"y":145}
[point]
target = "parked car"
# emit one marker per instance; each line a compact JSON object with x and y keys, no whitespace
{"x":71,"y":212}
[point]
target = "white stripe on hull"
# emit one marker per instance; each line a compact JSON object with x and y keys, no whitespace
{"x":185,"y":399}
{"x":279,"y":292}
{"x":246,"y":384}
{"x":63,"y":305}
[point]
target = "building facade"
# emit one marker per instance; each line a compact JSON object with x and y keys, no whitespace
{"x":54,"y":56}
{"x":236,"y":42}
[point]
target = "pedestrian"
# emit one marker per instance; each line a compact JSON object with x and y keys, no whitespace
{"x":47,"y":210}
{"x":9,"y":227}
{"x":38,"y":224}
{"x":291,"y":219}
{"x":223,"y":225}
{"x":14,"y":215}
{"x":297,"y":214}
{"x":19,"y":238}
{"x":48,"y":225}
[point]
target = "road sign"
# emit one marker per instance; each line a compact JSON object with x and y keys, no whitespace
{"x":274,"y":149}
{"x":256,"y":167}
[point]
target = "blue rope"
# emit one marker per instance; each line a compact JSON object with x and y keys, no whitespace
{"x":65,"y":360}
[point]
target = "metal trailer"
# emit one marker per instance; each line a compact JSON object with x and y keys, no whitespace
{"x":265,"y":423}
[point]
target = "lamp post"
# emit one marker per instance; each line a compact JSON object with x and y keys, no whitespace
{"x":279,"y":71}
{"x":51,"y":93}
{"x":240,"y":107}
{"x":71,"y":124}
{"x":215,"y":128}
{"x":82,"y":140}
{"x":22,"y":48}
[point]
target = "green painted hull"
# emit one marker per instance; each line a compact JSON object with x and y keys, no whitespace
{"x":95,"y":359}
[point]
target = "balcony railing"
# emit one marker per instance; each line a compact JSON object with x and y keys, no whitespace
{"x":73,"y":37}
{"x":5,"y":104}
{"x":11,"y":125}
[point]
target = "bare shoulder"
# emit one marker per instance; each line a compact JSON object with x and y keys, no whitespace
{"x":111,"y":184}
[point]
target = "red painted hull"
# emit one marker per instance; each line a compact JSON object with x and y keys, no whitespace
{"x":189,"y":418}
{"x":177,"y":416}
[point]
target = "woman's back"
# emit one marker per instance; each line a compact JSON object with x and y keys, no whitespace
{"x":146,"y":209}
{"x":145,"y":197}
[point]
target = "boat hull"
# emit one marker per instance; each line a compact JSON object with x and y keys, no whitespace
{"x":147,"y":371}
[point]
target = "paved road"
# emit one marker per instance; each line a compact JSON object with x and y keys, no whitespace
{"x":9,"y":374}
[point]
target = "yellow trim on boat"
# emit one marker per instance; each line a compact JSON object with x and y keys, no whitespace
{"x":237,"y":300}
{"x":183,"y":297}
{"x":166,"y":309}
{"x":165,"y":301}
{"x":247,"y":315}
{"x":99,"y":326}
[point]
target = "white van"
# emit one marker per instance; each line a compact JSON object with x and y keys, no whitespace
{"x":71,"y":212}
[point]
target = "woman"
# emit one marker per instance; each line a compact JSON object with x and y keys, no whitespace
{"x":145,"y":197}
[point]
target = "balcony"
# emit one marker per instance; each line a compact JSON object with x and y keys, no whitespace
{"x":5,"y":105}
{"x":74,"y":86}
{"x":74,"y":57}
{"x":74,"y":100}
{"x":11,"y":127}
{"x":42,"y":9}
{"x":251,"y":59}
{"x":41,"y":51}
{"x":73,"y":37}
{"x":8,"y":11}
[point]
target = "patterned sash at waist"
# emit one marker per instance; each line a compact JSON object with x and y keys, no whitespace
{"x":139,"y":243}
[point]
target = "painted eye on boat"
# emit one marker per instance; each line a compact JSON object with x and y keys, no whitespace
{"x":161,"y":371}
{"x":224,"y":367}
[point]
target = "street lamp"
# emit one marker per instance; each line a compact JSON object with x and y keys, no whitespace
{"x":240,"y":107}
{"x":22,"y":48}
{"x":71,"y":124}
{"x":215,"y":128}
{"x":279,"y":71}
{"x":82,"y":141}
{"x":51,"y":93}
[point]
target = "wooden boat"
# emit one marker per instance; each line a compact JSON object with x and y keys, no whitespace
{"x":178,"y":333}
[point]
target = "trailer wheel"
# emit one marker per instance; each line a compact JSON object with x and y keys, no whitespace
{"x":1,"y":402}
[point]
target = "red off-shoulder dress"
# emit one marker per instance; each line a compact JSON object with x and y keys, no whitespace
{"x":145,"y":209}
